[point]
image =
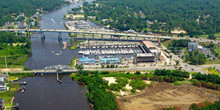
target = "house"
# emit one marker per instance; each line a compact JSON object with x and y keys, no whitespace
{"x":22,"y":25}
{"x":8,"y":24}
{"x":3,"y":86}
{"x":2,"y":104}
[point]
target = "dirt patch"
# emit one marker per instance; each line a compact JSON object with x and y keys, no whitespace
{"x":164,"y":95}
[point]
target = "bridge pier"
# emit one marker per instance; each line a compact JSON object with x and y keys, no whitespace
{"x":111,"y":36}
{"x":84,"y":35}
{"x":60,"y":37}
{"x":42,"y":36}
{"x":101,"y":36}
{"x":93,"y":36}
{"x":28,"y":34}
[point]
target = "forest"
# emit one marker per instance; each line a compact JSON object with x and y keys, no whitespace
{"x":194,"y":16}
{"x":10,"y":8}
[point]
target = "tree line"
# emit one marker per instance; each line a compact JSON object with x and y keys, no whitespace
{"x":98,"y":95}
{"x":10,"y":8}
{"x":196,"y":17}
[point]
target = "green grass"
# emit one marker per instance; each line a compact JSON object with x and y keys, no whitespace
{"x":14,"y":62}
{"x":178,"y":83}
{"x":213,"y":62}
{"x":166,"y":43}
{"x":8,"y":95}
{"x":73,"y":61}
{"x":12,"y":78}
{"x":74,"y":44}
{"x":20,"y":75}
{"x":211,"y":70}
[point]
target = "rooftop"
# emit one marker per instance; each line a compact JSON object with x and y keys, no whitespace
{"x":149,"y":44}
{"x":192,"y":43}
{"x":145,"y":55}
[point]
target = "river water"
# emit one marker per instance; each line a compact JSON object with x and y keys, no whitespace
{"x":50,"y":52}
{"x":45,"y":93}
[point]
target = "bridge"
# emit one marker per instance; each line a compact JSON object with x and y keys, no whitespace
{"x":112,"y":36}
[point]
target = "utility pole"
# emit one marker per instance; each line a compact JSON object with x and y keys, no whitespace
{"x":6,"y":65}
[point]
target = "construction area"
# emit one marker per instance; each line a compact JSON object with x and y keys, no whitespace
{"x":166,"y":95}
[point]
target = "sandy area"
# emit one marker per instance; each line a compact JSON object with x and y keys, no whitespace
{"x":178,"y":31}
{"x":164,"y":95}
{"x":11,"y":69}
{"x":110,"y":80}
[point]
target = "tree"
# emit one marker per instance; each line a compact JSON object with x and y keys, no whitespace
{"x":211,"y":36}
{"x":177,"y":62}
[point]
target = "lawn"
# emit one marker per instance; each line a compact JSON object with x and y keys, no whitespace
{"x":14,"y":61}
{"x":211,"y":70}
{"x":8,"y":95}
{"x":12,"y":78}
{"x":166,"y":43}
{"x":213,"y":62}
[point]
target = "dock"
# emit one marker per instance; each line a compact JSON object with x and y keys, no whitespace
{"x":64,"y":45}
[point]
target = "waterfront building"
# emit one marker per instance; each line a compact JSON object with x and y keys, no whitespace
{"x":84,"y":60}
{"x":111,"y":60}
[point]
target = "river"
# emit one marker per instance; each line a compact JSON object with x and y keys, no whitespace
{"x":45,"y":93}
{"x":50,"y":52}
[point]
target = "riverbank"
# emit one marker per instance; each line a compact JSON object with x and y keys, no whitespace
{"x":8,"y":95}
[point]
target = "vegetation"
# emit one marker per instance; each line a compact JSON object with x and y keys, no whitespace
{"x":137,"y":84}
{"x":164,"y":15}
{"x":195,"y":58}
{"x":176,"y":45}
{"x":16,"y":49}
{"x":211,"y":36}
{"x":11,"y":9}
{"x":20,"y":75}
{"x":121,"y":82}
{"x":169,"y":75}
{"x":210,"y":81}
{"x":74,"y":44}
{"x":212,"y":70}
{"x":9,"y":94}
{"x":98,"y":95}
{"x":205,"y":106}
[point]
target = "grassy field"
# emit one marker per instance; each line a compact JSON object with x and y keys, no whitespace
{"x":166,"y":43}
{"x":13,"y":62}
{"x":213,"y":62}
{"x":211,"y":70}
